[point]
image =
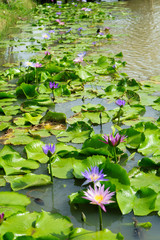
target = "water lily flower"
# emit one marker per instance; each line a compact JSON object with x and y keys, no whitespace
{"x":113,"y":141}
{"x":47,"y":53}
{"x":46,"y":36}
{"x":93,"y":175}
{"x":106,"y":29}
{"x":69,"y":30}
{"x":28,"y":64}
{"x":59,"y":2}
{"x":1,"y":217}
{"x":88,"y":10}
{"x":51,"y":31}
{"x":80,"y":28}
{"x":49,"y":149}
{"x":82,"y":54}
{"x":59,"y":21}
{"x":99,"y":196}
{"x":120,"y":102}
{"x":78,"y":60}
{"x":37,"y":65}
{"x":101,"y":33}
{"x":53,"y":85}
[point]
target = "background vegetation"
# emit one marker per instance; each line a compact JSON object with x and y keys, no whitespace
{"x":11,"y":10}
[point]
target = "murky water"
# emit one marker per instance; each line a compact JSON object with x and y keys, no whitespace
{"x":138,"y":36}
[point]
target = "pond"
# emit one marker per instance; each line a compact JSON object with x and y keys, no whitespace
{"x":134,"y":28}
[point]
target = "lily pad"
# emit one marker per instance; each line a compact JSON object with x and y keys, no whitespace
{"x":76,"y":133}
{"x":28,"y":180}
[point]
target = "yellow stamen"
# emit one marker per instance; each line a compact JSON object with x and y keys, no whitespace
{"x":94,"y":177}
{"x":98,"y":198}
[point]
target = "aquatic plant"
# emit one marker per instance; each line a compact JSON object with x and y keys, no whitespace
{"x":53,"y":86}
{"x":46,"y":36}
{"x":93,"y":175}
{"x":99,"y":196}
{"x":49,"y":151}
{"x":113,"y":141}
{"x":120,"y":103}
{"x":1,"y":218}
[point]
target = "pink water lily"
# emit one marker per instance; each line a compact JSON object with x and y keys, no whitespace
{"x":113,"y":141}
{"x":78,"y":60}
{"x":99,"y":196}
{"x":1,"y":217}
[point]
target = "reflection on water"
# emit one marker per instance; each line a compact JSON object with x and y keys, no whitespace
{"x":141,"y":44}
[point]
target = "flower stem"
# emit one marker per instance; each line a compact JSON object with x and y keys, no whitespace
{"x":53,"y":97}
{"x":100,"y":219}
{"x":119,"y":112}
{"x":115,"y":155}
{"x":50,"y":168}
{"x":36,"y":78}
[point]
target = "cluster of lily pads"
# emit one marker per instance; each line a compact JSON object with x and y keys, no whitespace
{"x":70,"y":66}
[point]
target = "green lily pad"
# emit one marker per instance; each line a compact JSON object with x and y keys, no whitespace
{"x":82,"y":234}
{"x":11,"y":202}
{"x":76,"y":133}
{"x":34,"y":151}
{"x":26,"y":90}
{"x":28,"y":180}
{"x":36,"y":225}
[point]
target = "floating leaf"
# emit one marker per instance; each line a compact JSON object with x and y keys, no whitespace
{"x":28,"y":180}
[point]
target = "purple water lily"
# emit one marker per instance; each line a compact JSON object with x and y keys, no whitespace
{"x":93,"y":175}
{"x":101,"y":33}
{"x":80,"y":28}
{"x":120,"y":102}
{"x":53,"y":85}
{"x":113,"y":141}
{"x":82,"y":54}
{"x":51,"y":31}
{"x":59,"y":2}
{"x":99,"y":196}
{"x":37,"y":65}
{"x":1,"y":217}
{"x":69,"y":30}
{"x":49,"y":149}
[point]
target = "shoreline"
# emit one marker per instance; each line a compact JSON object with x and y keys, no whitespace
{"x":10,"y":13}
